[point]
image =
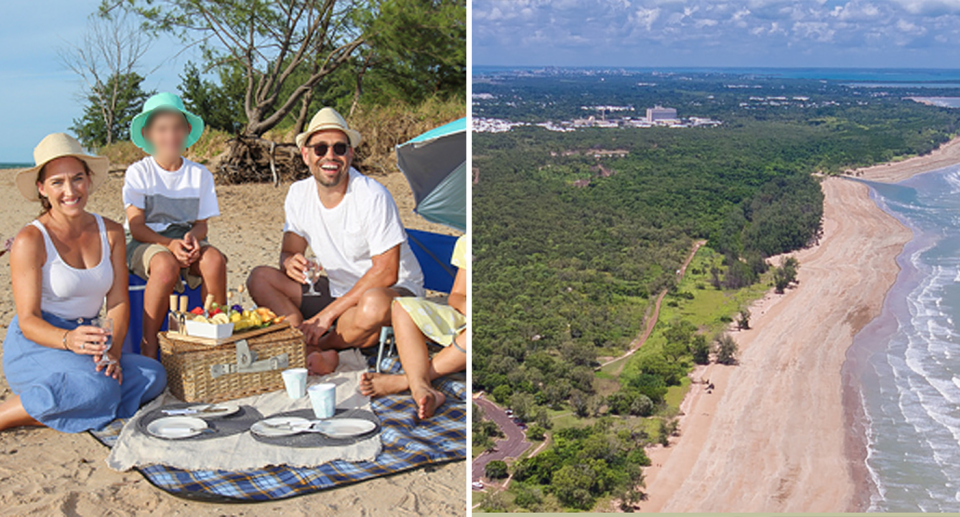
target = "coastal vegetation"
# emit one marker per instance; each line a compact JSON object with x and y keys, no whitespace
{"x":577,"y":236}
{"x":394,"y":68}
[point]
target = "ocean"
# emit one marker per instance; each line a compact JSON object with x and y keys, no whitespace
{"x":906,"y":363}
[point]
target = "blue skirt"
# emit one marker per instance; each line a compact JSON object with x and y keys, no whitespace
{"x":63,"y":390}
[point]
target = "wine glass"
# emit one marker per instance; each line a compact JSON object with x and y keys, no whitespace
{"x":312,"y":273}
{"x":105,"y":324}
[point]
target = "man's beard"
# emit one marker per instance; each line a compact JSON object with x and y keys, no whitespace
{"x":322,"y":178}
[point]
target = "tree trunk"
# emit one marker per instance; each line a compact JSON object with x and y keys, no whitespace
{"x":304,"y":112}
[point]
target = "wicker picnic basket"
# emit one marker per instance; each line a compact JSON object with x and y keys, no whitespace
{"x":215,"y":373}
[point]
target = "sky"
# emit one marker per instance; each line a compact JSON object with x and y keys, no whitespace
{"x":38,"y":95}
{"x":718,"y":33}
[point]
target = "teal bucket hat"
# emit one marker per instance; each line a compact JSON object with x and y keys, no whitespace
{"x":163,"y":102}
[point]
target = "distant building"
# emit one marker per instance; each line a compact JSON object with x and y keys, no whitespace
{"x":659,"y":113}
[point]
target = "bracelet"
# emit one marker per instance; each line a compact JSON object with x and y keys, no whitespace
{"x":64,"y":340}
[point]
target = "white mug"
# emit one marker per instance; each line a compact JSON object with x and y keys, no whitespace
{"x":323,"y":398}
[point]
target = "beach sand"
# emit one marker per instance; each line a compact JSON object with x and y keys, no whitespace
{"x":44,"y":472}
{"x":772,"y":435}
{"x":893,"y":172}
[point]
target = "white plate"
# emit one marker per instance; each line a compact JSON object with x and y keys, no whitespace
{"x":176,"y":427}
{"x":221,"y":410}
{"x":344,"y":427}
{"x":263,"y":428}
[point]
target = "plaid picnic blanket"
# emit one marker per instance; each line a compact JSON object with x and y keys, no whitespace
{"x":407,"y":444}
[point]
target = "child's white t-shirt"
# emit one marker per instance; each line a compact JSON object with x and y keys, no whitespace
{"x":178,"y":198}
{"x":364,"y":224}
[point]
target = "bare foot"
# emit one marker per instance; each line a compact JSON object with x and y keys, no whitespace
{"x":428,"y":400}
{"x":374,"y":384}
{"x":322,"y":363}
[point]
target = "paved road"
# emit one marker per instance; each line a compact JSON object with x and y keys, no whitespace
{"x":512,"y":446}
{"x":652,"y":322}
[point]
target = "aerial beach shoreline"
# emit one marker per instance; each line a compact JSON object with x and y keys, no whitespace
{"x":799,"y":432}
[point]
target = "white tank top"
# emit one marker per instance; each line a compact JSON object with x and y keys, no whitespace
{"x":72,"y":293}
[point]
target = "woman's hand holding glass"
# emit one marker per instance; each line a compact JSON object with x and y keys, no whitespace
{"x":86,"y":340}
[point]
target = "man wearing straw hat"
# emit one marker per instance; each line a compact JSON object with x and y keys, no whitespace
{"x":353,"y":227}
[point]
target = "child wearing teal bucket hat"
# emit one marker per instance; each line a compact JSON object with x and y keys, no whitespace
{"x":168,"y":200}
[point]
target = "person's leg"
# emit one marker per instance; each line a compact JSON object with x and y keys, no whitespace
{"x":13,"y":415}
{"x":164,"y":273}
{"x":270,"y":287}
{"x":143,"y":380}
{"x":323,"y":362}
{"x":449,"y":360}
{"x":212,"y":268}
{"x":359,"y":326}
{"x":412,"y":349}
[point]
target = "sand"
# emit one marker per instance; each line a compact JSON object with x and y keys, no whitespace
{"x":49,"y":473}
{"x":771,"y":437}
{"x":893,"y":172}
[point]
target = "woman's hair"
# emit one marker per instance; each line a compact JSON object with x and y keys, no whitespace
{"x":42,"y":175}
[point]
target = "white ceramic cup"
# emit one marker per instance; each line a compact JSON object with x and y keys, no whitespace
{"x":295,"y":380}
{"x":323,"y":398}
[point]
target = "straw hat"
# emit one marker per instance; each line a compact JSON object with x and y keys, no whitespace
{"x":59,"y":145}
{"x":163,"y":101}
{"x":328,"y":118}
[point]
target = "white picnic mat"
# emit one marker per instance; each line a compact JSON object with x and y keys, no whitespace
{"x":242,"y":452}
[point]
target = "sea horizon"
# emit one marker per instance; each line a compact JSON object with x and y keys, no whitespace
{"x":840,"y":74}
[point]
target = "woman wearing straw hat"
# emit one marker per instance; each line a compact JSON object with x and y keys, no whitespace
{"x":63,"y":265}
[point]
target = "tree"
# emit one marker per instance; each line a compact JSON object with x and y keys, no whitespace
{"x":786,"y":274}
{"x":536,"y":433}
{"x":494,"y":502}
{"x":641,"y":405}
{"x":726,"y":350}
{"x":286,"y":49}
{"x":663,"y":433}
{"x":700,"y":349}
{"x":107,"y":60}
{"x":100,"y":125}
{"x":502,"y":394}
{"x":743,"y":319}
{"x":219,"y":106}
{"x":522,"y":405}
{"x":573,"y":485}
{"x":579,"y":403}
{"x":496,"y":469}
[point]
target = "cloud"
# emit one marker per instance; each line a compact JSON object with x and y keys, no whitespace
{"x":881,"y":33}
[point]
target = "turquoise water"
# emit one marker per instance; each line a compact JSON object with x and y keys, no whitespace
{"x":10,"y":165}
{"x":906,"y":363}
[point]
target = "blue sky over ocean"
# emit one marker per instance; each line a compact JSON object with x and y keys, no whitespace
{"x":38,"y":95}
{"x":712,"y":33}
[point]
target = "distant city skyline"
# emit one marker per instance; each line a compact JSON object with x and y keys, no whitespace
{"x":729,"y":34}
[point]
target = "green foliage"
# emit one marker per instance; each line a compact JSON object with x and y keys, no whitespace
{"x":585,"y":464}
{"x":700,"y":349}
{"x":502,"y":394}
{"x":106,"y":120}
{"x":726,"y":350}
{"x":743,"y":319}
{"x":494,"y":502}
{"x":536,"y":432}
{"x":629,"y":401}
{"x":529,"y":498}
{"x":220,"y":105}
{"x":496,"y":469}
{"x":785,"y":275}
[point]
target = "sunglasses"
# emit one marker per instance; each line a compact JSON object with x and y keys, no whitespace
{"x":321,"y":149}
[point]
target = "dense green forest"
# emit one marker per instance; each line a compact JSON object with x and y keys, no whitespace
{"x":572,"y":245}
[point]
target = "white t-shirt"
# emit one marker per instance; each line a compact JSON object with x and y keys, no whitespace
{"x":364,"y":224}
{"x":178,"y":198}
